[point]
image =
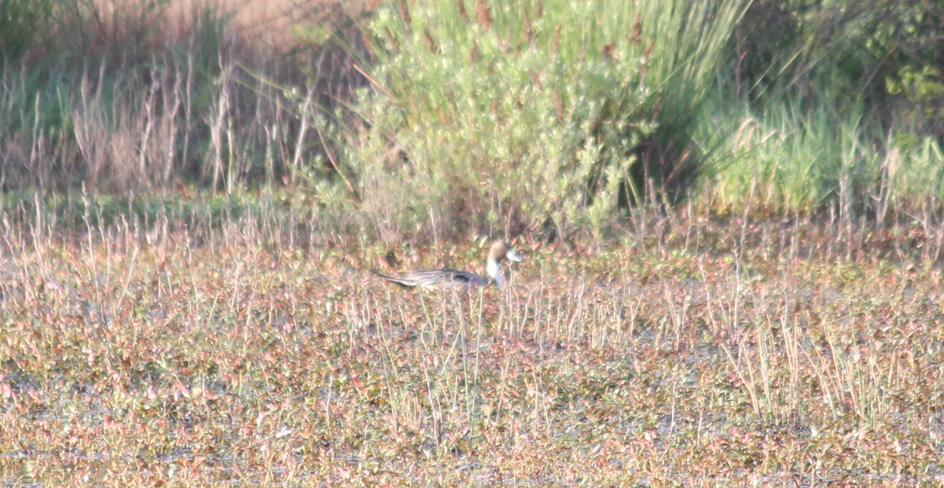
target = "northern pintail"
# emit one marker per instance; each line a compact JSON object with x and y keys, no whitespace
{"x":454,"y":277}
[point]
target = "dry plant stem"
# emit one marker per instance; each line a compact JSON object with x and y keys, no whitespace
{"x":221,"y":352}
{"x":219,"y":119}
{"x":124,"y":288}
{"x":473,"y":412}
{"x":374,"y":82}
{"x":328,"y":152}
{"x":302,"y":131}
{"x":461,"y":345}
{"x":830,"y":389}
{"x":188,"y":102}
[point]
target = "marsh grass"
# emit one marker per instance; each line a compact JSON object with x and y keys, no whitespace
{"x":790,"y":158}
{"x":122,"y":97}
{"x":432,"y":122}
{"x":778,"y":327}
{"x":711,"y":351}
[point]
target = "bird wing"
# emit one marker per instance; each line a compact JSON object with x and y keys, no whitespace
{"x":446,"y":277}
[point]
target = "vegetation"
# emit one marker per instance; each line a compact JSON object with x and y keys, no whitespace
{"x":539,"y":114}
{"x":704,"y":353}
{"x":145,"y":96}
{"x":731,"y":212}
{"x":425,"y":119}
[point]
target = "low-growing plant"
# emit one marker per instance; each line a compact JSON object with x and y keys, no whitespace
{"x":230,"y":346}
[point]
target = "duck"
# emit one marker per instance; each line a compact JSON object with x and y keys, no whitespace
{"x":456,"y":278}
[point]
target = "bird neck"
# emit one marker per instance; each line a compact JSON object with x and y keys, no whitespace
{"x":494,"y":270}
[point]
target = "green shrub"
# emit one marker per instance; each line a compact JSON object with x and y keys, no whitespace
{"x":529,"y":116}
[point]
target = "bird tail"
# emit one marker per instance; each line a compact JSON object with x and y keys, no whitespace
{"x":394,"y":279}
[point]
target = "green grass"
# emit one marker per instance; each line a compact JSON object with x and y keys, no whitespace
{"x":786,"y":158}
{"x":183,"y":295}
{"x":489,"y":119}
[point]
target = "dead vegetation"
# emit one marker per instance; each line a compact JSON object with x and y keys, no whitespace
{"x":701,"y":352}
